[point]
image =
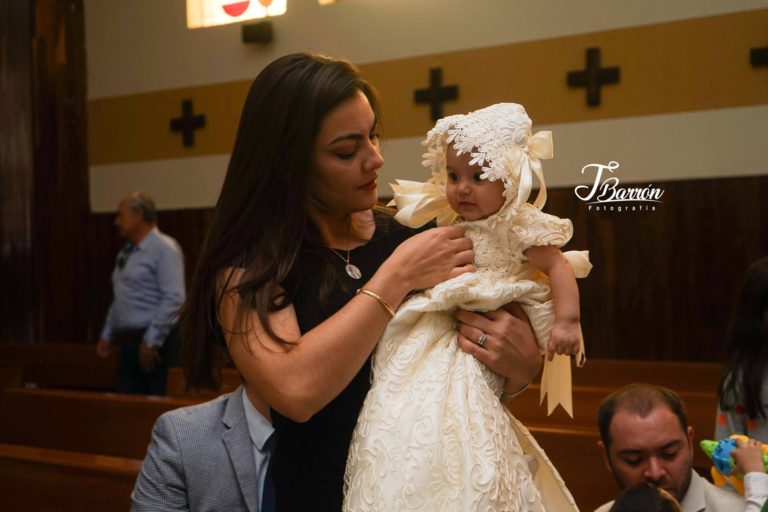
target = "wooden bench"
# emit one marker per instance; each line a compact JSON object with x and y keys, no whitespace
{"x":42,"y":480}
{"x":11,"y":374}
{"x":63,"y":365}
{"x":574,"y":453}
{"x":176,"y":384}
{"x":82,"y":421}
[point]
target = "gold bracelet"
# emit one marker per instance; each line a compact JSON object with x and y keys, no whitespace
{"x":381,"y":301}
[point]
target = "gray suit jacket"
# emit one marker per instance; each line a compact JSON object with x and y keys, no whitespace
{"x":200,"y":459}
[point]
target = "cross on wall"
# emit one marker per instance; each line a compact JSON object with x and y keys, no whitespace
{"x":436,"y":94}
{"x":593,"y":77}
{"x":187,"y":123}
{"x":758,"y":56}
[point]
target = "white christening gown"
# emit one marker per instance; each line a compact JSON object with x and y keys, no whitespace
{"x":432,"y":434}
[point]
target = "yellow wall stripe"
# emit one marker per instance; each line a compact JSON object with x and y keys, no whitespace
{"x":689,"y":65}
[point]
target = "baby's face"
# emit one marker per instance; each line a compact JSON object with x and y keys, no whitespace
{"x":468,"y":195}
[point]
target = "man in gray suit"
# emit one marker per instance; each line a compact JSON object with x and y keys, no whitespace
{"x":209,"y":457}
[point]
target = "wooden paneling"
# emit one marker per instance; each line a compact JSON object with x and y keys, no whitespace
{"x":661,"y":287}
{"x":663,"y":282}
{"x":61,"y":214}
{"x":17,"y":300}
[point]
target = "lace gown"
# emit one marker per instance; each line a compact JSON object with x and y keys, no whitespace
{"x":432,"y":434}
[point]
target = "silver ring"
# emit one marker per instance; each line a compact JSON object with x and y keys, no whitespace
{"x":482,"y":339}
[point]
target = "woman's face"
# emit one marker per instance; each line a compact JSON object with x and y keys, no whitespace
{"x":346,"y":159}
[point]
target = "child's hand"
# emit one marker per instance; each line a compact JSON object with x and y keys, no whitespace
{"x":748,"y":456}
{"x":564,"y":339}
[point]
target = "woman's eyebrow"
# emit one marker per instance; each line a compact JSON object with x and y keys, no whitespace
{"x":354,"y":136}
{"x":348,"y":136}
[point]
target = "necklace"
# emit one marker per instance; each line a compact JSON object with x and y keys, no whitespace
{"x":352,"y":270}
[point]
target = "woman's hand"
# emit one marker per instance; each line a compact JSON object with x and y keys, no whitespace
{"x":510,"y":347}
{"x":431,"y":257}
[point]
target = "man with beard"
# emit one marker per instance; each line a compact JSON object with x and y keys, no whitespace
{"x":645,"y":437}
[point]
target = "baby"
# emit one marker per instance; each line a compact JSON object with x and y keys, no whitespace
{"x":432,"y":434}
{"x":475,"y":195}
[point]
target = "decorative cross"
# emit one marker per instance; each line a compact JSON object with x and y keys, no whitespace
{"x":758,"y":56}
{"x":436,"y":94}
{"x":187,"y":123}
{"x":593,"y":77}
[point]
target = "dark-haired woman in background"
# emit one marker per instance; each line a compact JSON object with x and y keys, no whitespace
{"x":300,"y":273}
{"x":743,"y":391}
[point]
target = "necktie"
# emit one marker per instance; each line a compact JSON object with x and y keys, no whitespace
{"x":268,"y":501}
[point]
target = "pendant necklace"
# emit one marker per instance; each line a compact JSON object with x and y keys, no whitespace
{"x":352,"y":270}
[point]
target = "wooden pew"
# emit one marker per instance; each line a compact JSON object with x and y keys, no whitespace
{"x":678,"y":376}
{"x":574,"y":453}
{"x":176,"y":383}
{"x":82,"y":421}
{"x":11,"y":374}
{"x":43,"y":480}
{"x":63,"y":365}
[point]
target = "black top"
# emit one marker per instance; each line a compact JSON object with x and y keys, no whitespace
{"x":309,"y":459}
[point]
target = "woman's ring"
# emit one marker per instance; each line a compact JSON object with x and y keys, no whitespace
{"x":482,"y":339}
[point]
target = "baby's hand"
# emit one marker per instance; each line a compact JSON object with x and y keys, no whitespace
{"x":564,"y":339}
{"x":748,"y":457}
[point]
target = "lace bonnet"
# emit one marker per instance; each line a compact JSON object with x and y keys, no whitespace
{"x":499,"y":140}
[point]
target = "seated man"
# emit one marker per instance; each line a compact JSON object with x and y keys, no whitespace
{"x":646,"y":438}
{"x":209,"y":457}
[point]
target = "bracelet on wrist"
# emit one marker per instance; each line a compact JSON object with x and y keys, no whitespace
{"x":507,"y":396}
{"x":389,"y":309}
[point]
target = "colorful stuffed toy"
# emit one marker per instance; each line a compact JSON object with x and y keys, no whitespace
{"x":720,"y":454}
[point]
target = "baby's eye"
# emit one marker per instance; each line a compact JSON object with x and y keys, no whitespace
{"x":453,"y":177}
{"x":477,"y":176}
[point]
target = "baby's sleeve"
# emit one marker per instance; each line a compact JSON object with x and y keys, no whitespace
{"x":534,"y":228}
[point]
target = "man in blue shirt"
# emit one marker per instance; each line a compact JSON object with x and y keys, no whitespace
{"x":148,"y":286}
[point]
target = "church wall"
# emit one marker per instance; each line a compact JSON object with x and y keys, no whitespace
{"x":676,"y":77}
{"x":688,"y":116}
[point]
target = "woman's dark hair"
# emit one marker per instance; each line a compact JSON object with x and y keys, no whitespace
{"x":746,"y":343}
{"x":261,"y":223}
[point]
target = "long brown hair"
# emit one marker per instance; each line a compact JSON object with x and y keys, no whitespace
{"x":261,"y":223}
{"x":747,"y":345}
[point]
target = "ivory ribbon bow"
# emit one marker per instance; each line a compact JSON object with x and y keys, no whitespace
{"x":556,"y":382}
{"x":523,"y":162}
{"x":418,"y":203}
